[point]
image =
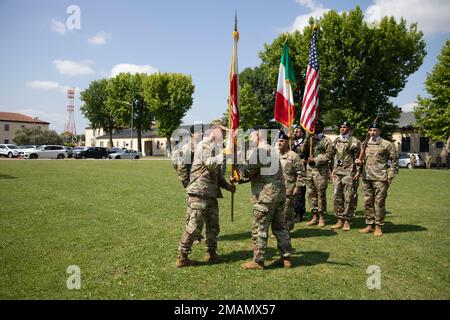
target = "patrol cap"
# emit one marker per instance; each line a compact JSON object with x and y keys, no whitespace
{"x":345,"y":123}
{"x":282,"y":135}
{"x":375,"y":126}
{"x":218,"y":123}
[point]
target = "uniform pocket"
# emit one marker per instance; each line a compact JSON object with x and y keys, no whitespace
{"x":197,"y":205}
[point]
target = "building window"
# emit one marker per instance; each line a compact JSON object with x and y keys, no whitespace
{"x":439,"y":145}
{"x":6,"y":127}
{"x":124,"y":144}
{"x":117,"y":144}
{"x":424,"y":144}
{"x":101,"y":143}
{"x":6,"y":141}
{"x":157,"y":144}
{"x":406,"y":144}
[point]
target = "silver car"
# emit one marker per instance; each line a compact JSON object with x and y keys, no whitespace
{"x":405,"y":162}
{"x":126,"y":154}
{"x":9,"y":150}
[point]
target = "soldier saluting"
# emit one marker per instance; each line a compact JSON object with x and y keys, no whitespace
{"x":346,"y":149}
{"x":380,"y":165}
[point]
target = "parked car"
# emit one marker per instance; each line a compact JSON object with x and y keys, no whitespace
{"x":405,"y":162}
{"x":91,"y":152}
{"x":9,"y":150}
{"x":46,"y":152}
{"x":69,"y":152}
{"x":27,"y":148}
{"x":126,"y":154}
{"x":115,"y":150}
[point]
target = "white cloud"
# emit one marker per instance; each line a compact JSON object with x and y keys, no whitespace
{"x":408,"y":107}
{"x":100,"y":38}
{"x":50,"y":85}
{"x":311,"y":4}
{"x":432,"y":16}
{"x":73,"y":68}
{"x":43,"y":85}
{"x":303,"y":20}
{"x":58,"y":26}
{"x":132,"y":68}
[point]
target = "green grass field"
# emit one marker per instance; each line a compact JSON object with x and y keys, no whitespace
{"x":120,"y":222}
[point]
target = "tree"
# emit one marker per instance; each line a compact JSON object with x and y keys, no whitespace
{"x":361,"y":66}
{"x":433,"y":114}
{"x":95,"y":107}
{"x":36,"y":136}
{"x":169,"y":96}
{"x":250,"y":108}
{"x":123,"y":91}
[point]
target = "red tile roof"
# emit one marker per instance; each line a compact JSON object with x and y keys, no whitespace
{"x":18,"y":117}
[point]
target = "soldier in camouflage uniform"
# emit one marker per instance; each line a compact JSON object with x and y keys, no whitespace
{"x":269,"y":196}
{"x":346,"y":149}
{"x":317,"y":174}
{"x":299,"y":202}
{"x":380,"y":167}
{"x":203,"y":191}
{"x":184,"y":160}
{"x":294,"y":176}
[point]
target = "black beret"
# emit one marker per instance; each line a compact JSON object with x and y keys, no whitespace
{"x":319,"y":123}
{"x":346,"y":123}
{"x":257,"y":127}
{"x":282,"y":135}
{"x":375,"y":126}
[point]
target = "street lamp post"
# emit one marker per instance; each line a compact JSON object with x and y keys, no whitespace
{"x":132,"y":105}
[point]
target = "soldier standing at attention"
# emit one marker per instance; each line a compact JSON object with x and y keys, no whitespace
{"x":299,"y":202}
{"x":184,"y":164}
{"x":294,"y":176}
{"x":203,"y":191}
{"x":377,"y":176}
{"x":346,"y":149}
{"x":317,"y":174}
{"x":428,"y":160}
{"x":264,"y":170}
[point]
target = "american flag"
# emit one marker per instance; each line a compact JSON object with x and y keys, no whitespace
{"x":310,"y":102}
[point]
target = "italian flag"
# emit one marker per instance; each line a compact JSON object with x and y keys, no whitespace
{"x":284,"y":100}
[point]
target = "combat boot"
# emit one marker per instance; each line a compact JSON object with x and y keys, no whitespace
{"x":253,"y":265}
{"x":321,"y":221}
{"x":346,"y":226}
{"x":378,"y":231}
{"x":213,"y":257}
{"x":285,"y":262}
{"x":313,"y":221}
{"x":367,"y":229}
{"x":183,"y":261}
{"x":338,"y":224}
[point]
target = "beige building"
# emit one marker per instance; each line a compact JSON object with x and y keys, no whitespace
{"x":11,"y":122}
{"x":152,"y":143}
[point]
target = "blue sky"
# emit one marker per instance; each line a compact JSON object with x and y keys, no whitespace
{"x":40,"y":57}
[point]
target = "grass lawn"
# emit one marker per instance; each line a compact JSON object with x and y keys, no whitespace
{"x":120,"y":222}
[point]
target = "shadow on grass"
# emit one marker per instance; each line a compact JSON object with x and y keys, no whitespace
{"x":310,"y":233}
{"x":6,"y":176}
{"x":389,"y":227}
{"x":236,"y":236}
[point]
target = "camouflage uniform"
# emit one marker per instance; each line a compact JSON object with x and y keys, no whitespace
{"x":412,"y":160}
{"x":203,"y":191}
{"x":376,"y":177}
{"x":345,"y":193}
{"x":295,"y":177}
{"x":299,"y":202}
{"x":269,"y":195}
{"x":317,"y":174}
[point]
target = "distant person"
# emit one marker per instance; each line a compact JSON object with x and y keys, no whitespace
{"x":412,"y":161}
{"x":428,"y":160}
{"x":380,"y":166}
{"x":438,"y":162}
